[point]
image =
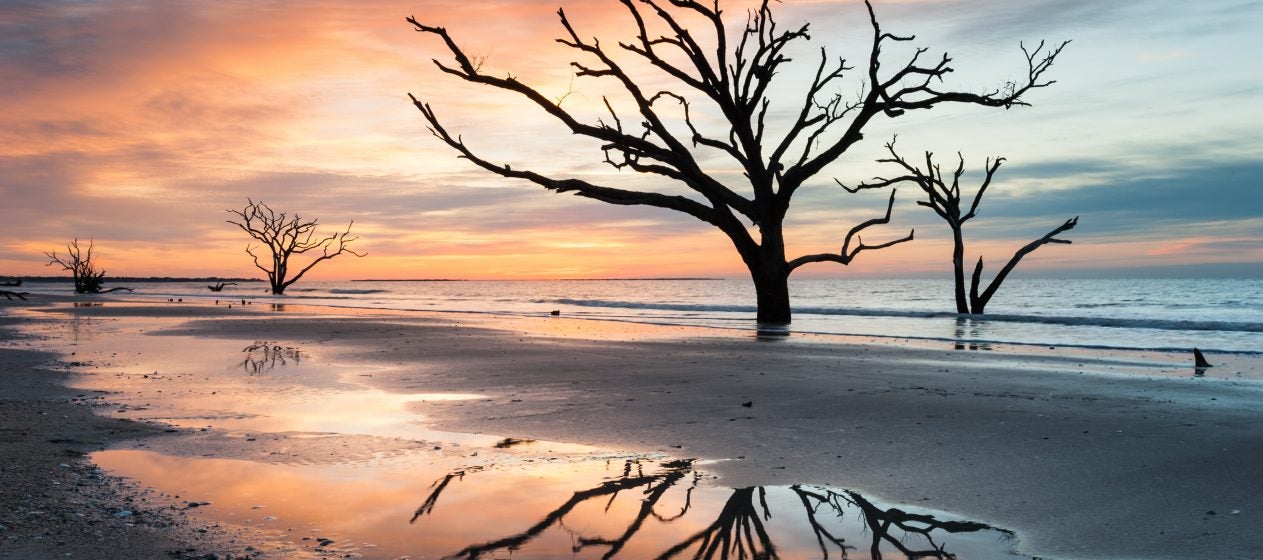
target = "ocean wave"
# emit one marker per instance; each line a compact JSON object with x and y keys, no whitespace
{"x":357,"y":291}
{"x":1071,"y":321}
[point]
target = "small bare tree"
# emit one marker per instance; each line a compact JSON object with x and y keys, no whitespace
{"x":944,"y":199}
{"x":286,"y":236}
{"x":88,"y":280}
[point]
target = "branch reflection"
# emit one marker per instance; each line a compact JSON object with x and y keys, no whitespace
{"x":742,"y":526}
{"x":264,"y":356}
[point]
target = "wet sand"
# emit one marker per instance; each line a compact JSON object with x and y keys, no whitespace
{"x":1084,"y":456}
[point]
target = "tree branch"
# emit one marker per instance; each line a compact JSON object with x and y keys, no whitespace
{"x":674,"y":155}
{"x":847,"y":254}
{"x":909,"y":89}
{"x":576,"y":186}
{"x":978,"y":302}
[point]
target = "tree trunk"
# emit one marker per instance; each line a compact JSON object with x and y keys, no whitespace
{"x":958,"y":268}
{"x":770,"y":273}
{"x":772,"y":291}
{"x":280,"y":270}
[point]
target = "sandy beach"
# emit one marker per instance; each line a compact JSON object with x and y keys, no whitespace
{"x":1079,"y":454}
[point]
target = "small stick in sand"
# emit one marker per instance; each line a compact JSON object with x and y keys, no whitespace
{"x":1200,"y":360}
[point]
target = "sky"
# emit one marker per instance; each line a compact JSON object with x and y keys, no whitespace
{"x":138,"y":124}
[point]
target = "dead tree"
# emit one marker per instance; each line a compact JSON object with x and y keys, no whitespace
{"x":945,"y":200}
{"x":88,"y":280}
{"x":728,"y":79}
{"x":286,"y":236}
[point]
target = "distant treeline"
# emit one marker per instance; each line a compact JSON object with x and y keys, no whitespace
{"x":115,"y":279}
{"x":539,"y":280}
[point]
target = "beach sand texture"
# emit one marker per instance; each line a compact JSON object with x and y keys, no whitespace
{"x":1082,"y":456}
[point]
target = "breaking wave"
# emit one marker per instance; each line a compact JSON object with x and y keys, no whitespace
{"x":1118,"y":322}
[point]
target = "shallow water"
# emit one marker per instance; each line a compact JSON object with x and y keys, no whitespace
{"x":561,"y":507}
{"x":438,"y":494}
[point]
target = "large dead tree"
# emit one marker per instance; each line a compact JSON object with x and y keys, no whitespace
{"x":285,"y":236}
{"x":945,"y":200}
{"x":82,"y":267}
{"x":728,"y":79}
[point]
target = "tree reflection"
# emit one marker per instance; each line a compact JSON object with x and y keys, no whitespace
{"x":741,"y":527}
{"x":971,"y":330}
{"x":263,"y":356}
{"x":880,"y":522}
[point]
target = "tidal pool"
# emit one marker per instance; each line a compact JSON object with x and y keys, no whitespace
{"x":524,"y":508}
{"x":442,"y":494}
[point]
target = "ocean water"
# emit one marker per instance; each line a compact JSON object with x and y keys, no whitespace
{"x":1221,"y":315}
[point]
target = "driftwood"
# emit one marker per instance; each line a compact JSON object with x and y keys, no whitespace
{"x":1199,"y":360}
{"x":11,"y":283}
{"x":10,"y":295}
{"x":219,"y":286}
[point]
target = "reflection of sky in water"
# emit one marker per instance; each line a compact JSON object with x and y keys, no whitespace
{"x":562,"y":491}
{"x":241,"y":386}
{"x":362,"y":412}
{"x":539,"y":508}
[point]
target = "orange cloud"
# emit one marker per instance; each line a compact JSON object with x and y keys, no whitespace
{"x":137,"y":124}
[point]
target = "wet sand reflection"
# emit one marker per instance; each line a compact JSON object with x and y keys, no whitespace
{"x":526,"y":505}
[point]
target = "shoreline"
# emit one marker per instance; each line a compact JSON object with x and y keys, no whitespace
{"x":1215,"y":325}
{"x":57,"y":504}
{"x":1014,"y":440}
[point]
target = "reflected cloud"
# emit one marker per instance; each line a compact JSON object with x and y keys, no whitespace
{"x":183,"y":121}
{"x":551,"y":503}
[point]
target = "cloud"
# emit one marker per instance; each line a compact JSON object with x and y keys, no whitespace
{"x":138,"y":123}
{"x":1215,"y":191}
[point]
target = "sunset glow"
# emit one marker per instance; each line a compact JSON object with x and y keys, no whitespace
{"x":137,"y":124}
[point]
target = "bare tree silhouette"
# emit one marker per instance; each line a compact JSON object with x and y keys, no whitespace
{"x":739,"y":529}
{"x":945,"y":200}
{"x":286,"y":236}
{"x":728,"y":79}
{"x":88,"y":280}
